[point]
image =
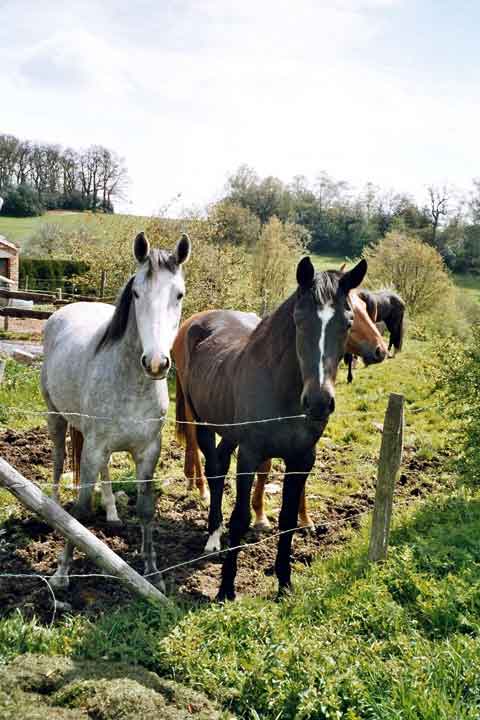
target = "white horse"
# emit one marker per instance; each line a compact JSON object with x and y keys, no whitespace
{"x":104,"y":373}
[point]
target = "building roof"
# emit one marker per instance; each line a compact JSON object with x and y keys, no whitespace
{"x":8,"y":245}
{"x":4,"y":279}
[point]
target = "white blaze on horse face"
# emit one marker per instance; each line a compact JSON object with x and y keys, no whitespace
{"x":325,"y":315}
{"x":158,"y":306}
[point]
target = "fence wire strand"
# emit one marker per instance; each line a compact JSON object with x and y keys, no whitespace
{"x":205,"y":556}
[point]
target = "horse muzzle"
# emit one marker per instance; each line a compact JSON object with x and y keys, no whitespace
{"x":156,"y":366}
{"x":372,"y":357}
{"x":318,"y":404}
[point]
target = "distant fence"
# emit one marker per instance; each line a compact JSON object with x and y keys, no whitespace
{"x":54,"y":299}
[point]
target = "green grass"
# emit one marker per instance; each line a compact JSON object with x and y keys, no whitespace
{"x":21,"y":230}
{"x":469,"y":283}
{"x":398,"y":640}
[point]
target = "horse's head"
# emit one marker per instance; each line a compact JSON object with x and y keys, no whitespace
{"x":157,"y":291}
{"x":364,"y":338}
{"x":323,"y":317}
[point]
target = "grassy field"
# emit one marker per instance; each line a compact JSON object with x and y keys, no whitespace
{"x":20,"y":230}
{"x":395,"y":641}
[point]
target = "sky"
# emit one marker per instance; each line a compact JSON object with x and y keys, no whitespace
{"x":382,"y":91}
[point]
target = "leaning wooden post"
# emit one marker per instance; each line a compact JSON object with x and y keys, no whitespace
{"x":388,"y":467}
{"x":99,"y":553}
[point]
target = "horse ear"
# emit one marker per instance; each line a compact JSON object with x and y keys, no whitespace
{"x":305,"y":273}
{"x":354,"y":277}
{"x":141,"y":248}
{"x":183,"y":249}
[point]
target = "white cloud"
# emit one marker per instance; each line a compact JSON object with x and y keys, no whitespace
{"x":189,"y":90}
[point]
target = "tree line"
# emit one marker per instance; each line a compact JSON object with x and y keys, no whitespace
{"x":336,"y":219}
{"x":42,"y":176}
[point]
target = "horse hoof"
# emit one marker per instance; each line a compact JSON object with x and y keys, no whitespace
{"x":82,"y":514}
{"x":262,"y":524}
{"x":307,"y":525}
{"x":214,"y":542}
{"x":157,"y":581}
{"x":59,"y":582}
{"x":205,"y":496}
{"x":225,"y":596}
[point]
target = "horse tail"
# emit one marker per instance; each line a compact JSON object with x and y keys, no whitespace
{"x":76,"y":438}
{"x":180,"y":412}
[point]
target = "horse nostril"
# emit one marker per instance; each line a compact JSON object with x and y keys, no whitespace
{"x":331,"y":406}
{"x":166,"y":363}
{"x":144,"y":362}
{"x":379,"y":353}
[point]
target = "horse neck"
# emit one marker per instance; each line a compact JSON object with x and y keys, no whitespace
{"x":128,"y":350}
{"x":273,"y":345}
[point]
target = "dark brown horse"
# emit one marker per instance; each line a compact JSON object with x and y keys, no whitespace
{"x":364,"y":339}
{"x":388,"y":308}
{"x":238,"y":373}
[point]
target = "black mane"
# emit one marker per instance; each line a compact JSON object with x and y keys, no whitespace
{"x":115,"y":329}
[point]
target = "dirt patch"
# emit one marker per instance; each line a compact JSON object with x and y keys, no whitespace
{"x":30,"y":451}
{"x":27,"y":545}
{"x":37,"y":686}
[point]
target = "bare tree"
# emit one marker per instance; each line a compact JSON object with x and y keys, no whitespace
{"x":439,"y":198}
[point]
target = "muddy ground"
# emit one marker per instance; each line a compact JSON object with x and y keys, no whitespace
{"x":27,"y":545}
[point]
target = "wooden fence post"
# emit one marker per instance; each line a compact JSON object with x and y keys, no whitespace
{"x":32,"y":497}
{"x":26,"y":282}
{"x":59,"y":293}
{"x":388,"y":467}
{"x":103,"y":280}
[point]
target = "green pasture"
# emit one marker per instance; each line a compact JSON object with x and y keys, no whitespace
{"x":395,"y":641}
{"x":22,"y":230}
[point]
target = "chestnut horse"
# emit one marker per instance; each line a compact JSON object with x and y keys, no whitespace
{"x":387,"y":308}
{"x":364,"y":339}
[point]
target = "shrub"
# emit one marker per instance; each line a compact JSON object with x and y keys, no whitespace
{"x":22,"y":201}
{"x":215,"y":274}
{"x":415,"y":270}
{"x":234,"y":224}
{"x":274,"y":263}
{"x":459,"y":379}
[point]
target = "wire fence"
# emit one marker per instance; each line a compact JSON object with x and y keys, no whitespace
{"x":204,"y":556}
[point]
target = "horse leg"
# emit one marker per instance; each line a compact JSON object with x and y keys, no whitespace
{"x":193,"y":463}
{"x":189,"y":464}
{"x":108,"y":498}
{"x":258,"y":498}
{"x":305,"y":519}
{"x":348,"y":359}
{"x":296,"y":473}
{"x":206,"y":441}
{"x":92,"y":462}
{"x":239,"y":521}
{"x":57,"y":428}
{"x":146,"y":462}
{"x":224,"y":453}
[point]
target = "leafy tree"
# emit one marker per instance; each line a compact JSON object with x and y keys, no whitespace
{"x":21,"y":201}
